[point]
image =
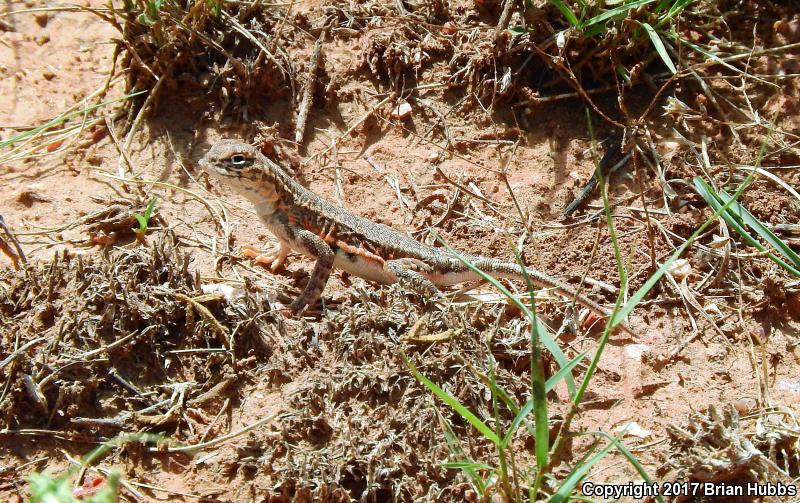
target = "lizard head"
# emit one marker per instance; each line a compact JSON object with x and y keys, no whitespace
{"x":230,"y":159}
{"x":243,"y":167}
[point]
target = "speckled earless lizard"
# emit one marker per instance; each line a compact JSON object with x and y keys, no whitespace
{"x":306,"y":223}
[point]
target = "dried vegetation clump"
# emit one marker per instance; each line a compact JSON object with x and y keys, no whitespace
{"x":243,"y":56}
{"x":221,"y":53}
{"x":360,"y":419}
{"x":721,"y":447}
{"x":91,"y":339}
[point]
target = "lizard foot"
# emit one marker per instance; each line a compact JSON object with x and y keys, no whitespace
{"x":413,"y":264}
{"x":301,"y":308}
{"x":274,"y":258}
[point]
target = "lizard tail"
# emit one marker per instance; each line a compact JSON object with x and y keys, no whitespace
{"x":460,"y":273}
{"x":500,"y":269}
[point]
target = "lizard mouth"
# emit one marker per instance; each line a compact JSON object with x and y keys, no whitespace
{"x":210,"y":168}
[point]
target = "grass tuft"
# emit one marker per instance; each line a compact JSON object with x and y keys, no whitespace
{"x":144,"y":220}
{"x":740,"y":219}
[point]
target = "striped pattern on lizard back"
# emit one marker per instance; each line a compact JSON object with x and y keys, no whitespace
{"x":357,"y":235}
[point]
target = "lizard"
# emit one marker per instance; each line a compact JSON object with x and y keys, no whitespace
{"x":334,"y":237}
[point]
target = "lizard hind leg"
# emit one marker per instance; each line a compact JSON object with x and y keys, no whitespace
{"x":409,"y":278}
{"x":273,"y":258}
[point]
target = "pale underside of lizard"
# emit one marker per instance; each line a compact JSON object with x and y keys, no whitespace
{"x":336,"y":238}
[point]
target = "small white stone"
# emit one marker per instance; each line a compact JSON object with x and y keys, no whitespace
{"x":789,"y":385}
{"x":635,"y":351}
{"x":680,"y":269}
{"x":634,"y":429}
{"x":402,"y":111}
{"x":713,"y":309}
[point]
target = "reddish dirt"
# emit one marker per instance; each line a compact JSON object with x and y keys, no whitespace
{"x":335,"y":382}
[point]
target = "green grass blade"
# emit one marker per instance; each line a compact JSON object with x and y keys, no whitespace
{"x":539,"y":399}
{"x":462,"y":465}
{"x":662,"y":5}
{"x":762,"y":230}
{"x":501,"y":451}
{"x":468,"y":466}
{"x":149,"y":211}
{"x":142,"y":222}
{"x":659,"y":45}
{"x":546,"y":338}
{"x":528,"y":407}
{"x":566,"y":12}
{"x":506,"y":398}
{"x":623,"y":275}
{"x":628,"y":455}
{"x":523,"y":413}
{"x":63,"y":118}
{"x":674,"y":10}
{"x":652,"y":280}
{"x":577,"y":474}
{"x":454,"y":404}
{"x":563,"y":372}
{"x":593,"y":31}
{"x":704,"y":52}
{"x":503,"y":395}
{"x":738,"y":217}
{"x":616,"y":11}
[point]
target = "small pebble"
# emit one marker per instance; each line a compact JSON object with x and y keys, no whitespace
{"x":680,"y":269}
{"x":402,"y":111}
{"x":42,"y":18}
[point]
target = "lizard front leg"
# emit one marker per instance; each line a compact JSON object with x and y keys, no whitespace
{"x":313,"y":246}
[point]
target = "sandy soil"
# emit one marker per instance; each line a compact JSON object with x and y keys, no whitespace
{"x":350,"y":422}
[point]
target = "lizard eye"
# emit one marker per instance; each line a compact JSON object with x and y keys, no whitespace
{"x":238,"y":160}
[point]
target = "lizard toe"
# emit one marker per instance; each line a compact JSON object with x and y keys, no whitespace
{"x":274,"y":258}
